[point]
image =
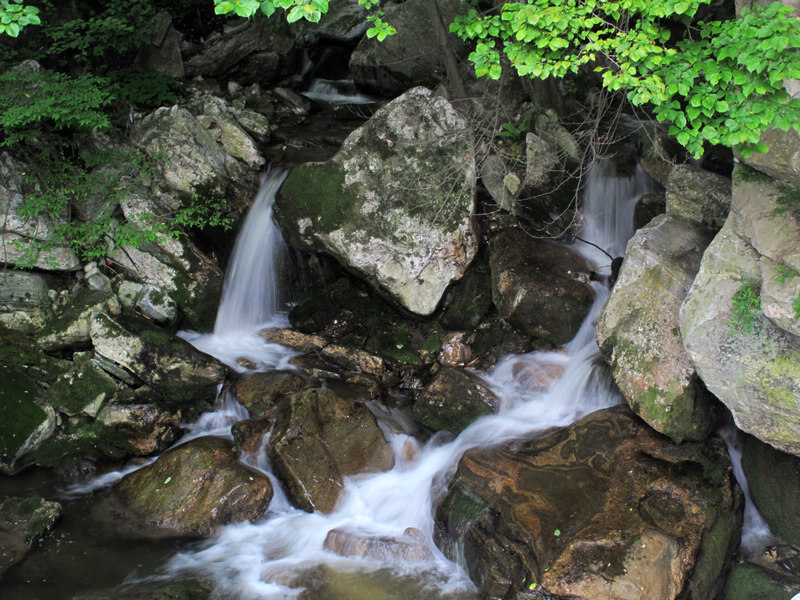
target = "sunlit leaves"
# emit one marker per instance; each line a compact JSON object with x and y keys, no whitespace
{"x":721,"y":85}
{"x":14,"y":16}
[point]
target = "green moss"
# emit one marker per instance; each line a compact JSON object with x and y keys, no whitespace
{"x":74,"y":390}
{"x":316,"y":191}
{"x":162,"y":339}
{"x":748,"y":582}
{"x":19,"y":413}
{"x":93,"y":441}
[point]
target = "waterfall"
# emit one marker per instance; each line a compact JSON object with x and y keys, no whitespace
{"x":257,"y":560}
{"x":251,"y":291}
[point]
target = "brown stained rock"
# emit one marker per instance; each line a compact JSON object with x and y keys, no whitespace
{"x":345,"y":357}
{"x":453,"y":399}
{"x":455,"y":351}
{"x":259,"y":392}
{"x":318,"y":439}
{"x":190,"y":491}
{"x":538,"y":286}
{"x":605,"y":508}
{"x":389,"y":548}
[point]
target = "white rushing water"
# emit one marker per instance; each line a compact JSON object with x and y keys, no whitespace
{"x":260,"y":561}
{"x":336,"y":91}
{"x":251,"y":293}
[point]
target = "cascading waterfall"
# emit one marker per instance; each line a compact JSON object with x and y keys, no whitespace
{"x":251,"y":292}
{"x":260,"y":560}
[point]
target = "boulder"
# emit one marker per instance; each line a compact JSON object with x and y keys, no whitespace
{"x":69,"y":329}
{"x":395,"y":204}
{"x":256,"y":50}
{"x":139,"y":429}
{"x":199,"y":152}
{"x":388,"y":68}
{"x":173,"y":367}
{"x":407,"y":548}
{"x":318,"y":439}
{"x":753,"y":370}
{"x":605,"y":508}
{"x":753,"y":582}
{"x":453,"y":399}
{"x":774,"y":481}
{"x":698,"y":196}
{"x":25,"y":421}
{"x":163,"y":52}
{"x":24,"y":303}
{"x":782,"y":162}
{"x":538,"y":286}
{"x":260,"y":392}
{"x":23,"y":521}
{"x":82,"y":390}
{"x":638,"y":329}
{"x":27,"y":241}
{"x":190,"y":491}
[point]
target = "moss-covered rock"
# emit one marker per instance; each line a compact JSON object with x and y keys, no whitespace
{"x":753,"y":370}
{"x":453,"y":399}
{"x":375,"y":208}
{"x":774,"y":480}
{"x":81,"y":390}
{"x":638,"y":329}
{"x":191,"y":490}
{"x":25,"y":421}
{"x":179,"y":372}
{"x":22,"y":522}
{"x":750,"y":582}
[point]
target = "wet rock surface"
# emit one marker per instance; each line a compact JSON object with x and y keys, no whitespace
{"x":190,"y":491}
{"x":407,"y":548}
{"x":605,"y":508}
{"x":453,"y":399}
{"x":538,"y":286}
{"x":22,"y":522}
{"x":318,"y":439}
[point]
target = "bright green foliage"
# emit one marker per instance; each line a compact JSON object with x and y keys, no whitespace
{"x":380,"y":28}
{"x":311,"y":10}
{"x":28,"y":98}
{"x":721,"y":82}
{"x":746,"y":308}
{"x":14,"y":17}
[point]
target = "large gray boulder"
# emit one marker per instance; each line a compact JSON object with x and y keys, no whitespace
{"x":184,"y":277}
{"x":698,"y":196}
{"x":24,"y":303}
{"x":395,"y":204}
{"x":638,"y":329}
{"x":755,"y":370}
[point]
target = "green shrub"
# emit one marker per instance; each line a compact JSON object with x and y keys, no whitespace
{"x":746,"y":309}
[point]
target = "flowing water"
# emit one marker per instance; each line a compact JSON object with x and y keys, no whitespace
{"x":283,"y":553}
{"x":251,"y":296}
{"x":265,"y":560}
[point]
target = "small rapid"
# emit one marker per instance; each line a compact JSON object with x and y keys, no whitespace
{"x":270,"y":558}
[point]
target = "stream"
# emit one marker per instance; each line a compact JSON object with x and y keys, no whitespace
{"x":282,"y":553}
